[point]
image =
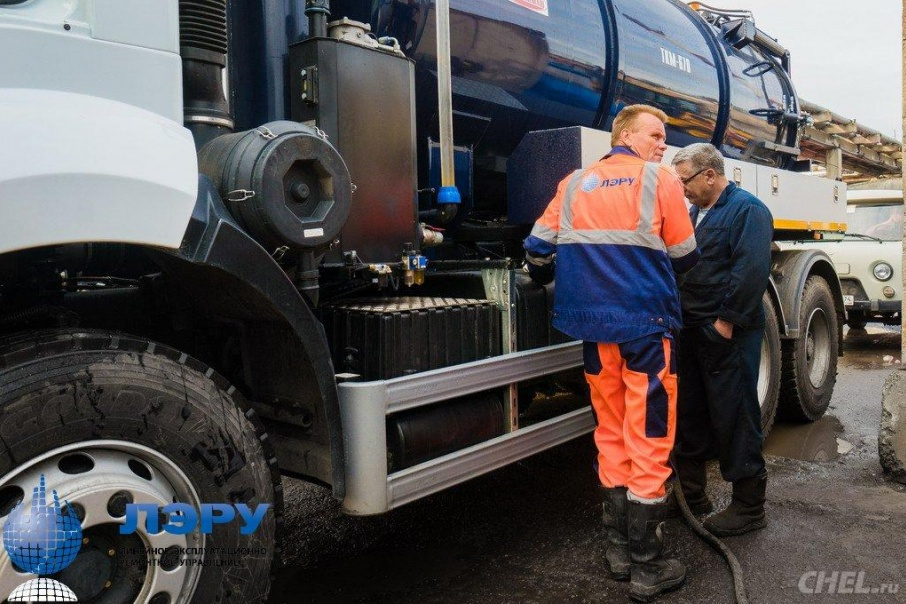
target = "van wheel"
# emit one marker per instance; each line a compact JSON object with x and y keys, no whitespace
{"x":109,"y":420}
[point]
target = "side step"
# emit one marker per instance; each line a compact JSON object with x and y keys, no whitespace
{"x":364,"y":407}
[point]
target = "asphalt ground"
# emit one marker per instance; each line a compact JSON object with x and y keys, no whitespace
{"x":530,"y":533}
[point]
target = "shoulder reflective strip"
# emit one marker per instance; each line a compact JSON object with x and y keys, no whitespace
{"x":637,"y":238}
{"x":539,"y":260}
{"x":566,"y":209}
{"x":649,"y":197}
{"x":808,"y":225}
{"x":681,"y":249}
{"x":544,"y":233}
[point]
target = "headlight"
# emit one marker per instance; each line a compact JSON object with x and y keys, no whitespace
{"x":882,"y":271}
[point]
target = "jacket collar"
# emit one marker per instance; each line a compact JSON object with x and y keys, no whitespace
{"x":725,"y":195}
{"x":721,"y":201}
{"x":621,"y":150}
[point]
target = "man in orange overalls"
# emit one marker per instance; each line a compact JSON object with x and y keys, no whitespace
{"x":620,"y":231}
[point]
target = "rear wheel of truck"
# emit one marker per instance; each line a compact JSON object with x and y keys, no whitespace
{"x":769,"y":367}
{"x":810,"y":361}
{"x":109,"y":420}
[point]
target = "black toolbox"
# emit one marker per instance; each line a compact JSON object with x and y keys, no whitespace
{"x":382,"y":338}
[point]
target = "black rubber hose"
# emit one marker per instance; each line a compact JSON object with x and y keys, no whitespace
{"x":696,"y":526}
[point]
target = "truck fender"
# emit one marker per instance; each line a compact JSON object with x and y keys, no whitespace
{"x":774,"y":295}
{"x":790,"y":269}
{"x":215,"y":241}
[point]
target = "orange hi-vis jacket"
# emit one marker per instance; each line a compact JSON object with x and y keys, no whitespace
{"x":620,"y":230}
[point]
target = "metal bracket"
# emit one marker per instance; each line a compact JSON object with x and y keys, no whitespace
{"x":240,"y":195}
{"x":499,"y":287}
{"x":265,"y":133}
{"x":309,"y":83}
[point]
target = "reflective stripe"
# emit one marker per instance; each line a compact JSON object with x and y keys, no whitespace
{"x":681,"y":249}
{"x":642,"y":236}
{"x":649,"y":197}
{"x":637,"y":238}
{"x":646,"y":209}
{"x":538,"y":260}
{"x":544,"y":233}
{"x":566,"y":210}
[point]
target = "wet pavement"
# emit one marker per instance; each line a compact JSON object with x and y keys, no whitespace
{"x":530,"y":533}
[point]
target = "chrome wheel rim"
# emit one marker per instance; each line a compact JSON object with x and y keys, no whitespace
{"x":89,"y":475}
{"x":817,"y":348}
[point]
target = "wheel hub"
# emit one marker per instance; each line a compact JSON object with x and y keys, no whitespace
{"x":97,"y":480}
{"x":817,"y":348}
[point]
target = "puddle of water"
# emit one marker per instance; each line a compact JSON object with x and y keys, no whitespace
{"x":355,"y":579}
{"x":816,"y":441}
{"x":843,"y":446}
{"x":875,"y":348}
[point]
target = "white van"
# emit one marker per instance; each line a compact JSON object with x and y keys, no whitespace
{"x":868,"y":256}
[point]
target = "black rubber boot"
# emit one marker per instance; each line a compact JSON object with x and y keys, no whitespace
{"x":616,"y":531}
{"x":745,"y":512}
{"x":652,"y":573}
{"x":694,"y":478}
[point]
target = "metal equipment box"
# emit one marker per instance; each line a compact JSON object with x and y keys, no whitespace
{"x":364,"y":101}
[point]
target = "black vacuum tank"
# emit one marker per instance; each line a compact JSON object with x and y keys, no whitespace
{"x":523,"y":65}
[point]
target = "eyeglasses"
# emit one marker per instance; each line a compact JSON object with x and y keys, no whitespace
{"x":686,"y":181}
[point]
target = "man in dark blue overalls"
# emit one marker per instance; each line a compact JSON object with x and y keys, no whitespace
{"x":720,"y":345}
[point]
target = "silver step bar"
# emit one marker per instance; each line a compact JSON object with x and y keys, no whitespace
{"x":364,"y":407}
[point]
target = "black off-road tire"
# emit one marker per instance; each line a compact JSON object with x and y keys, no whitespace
{"x":70,"y":386}
{"x":771,"y":349}
{"x":810,"y":361}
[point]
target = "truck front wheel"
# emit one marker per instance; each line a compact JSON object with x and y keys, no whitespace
{"x":109,"y":420}
{"x":810,"y":361}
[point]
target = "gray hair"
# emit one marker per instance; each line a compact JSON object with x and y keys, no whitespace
{"x":701,"y":156}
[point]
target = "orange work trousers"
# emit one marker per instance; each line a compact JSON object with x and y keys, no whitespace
{"x":633,"y":393}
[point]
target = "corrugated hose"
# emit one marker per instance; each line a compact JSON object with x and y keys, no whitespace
{"x":696,"y":526}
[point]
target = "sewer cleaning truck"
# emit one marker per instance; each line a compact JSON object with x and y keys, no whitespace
{"x":246,"y":239}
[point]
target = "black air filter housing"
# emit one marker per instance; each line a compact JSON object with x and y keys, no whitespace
{"x":283,"y":181}
{"x":384,"y":338}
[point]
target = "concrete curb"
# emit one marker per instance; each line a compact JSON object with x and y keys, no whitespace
{"x":892,"y":435}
